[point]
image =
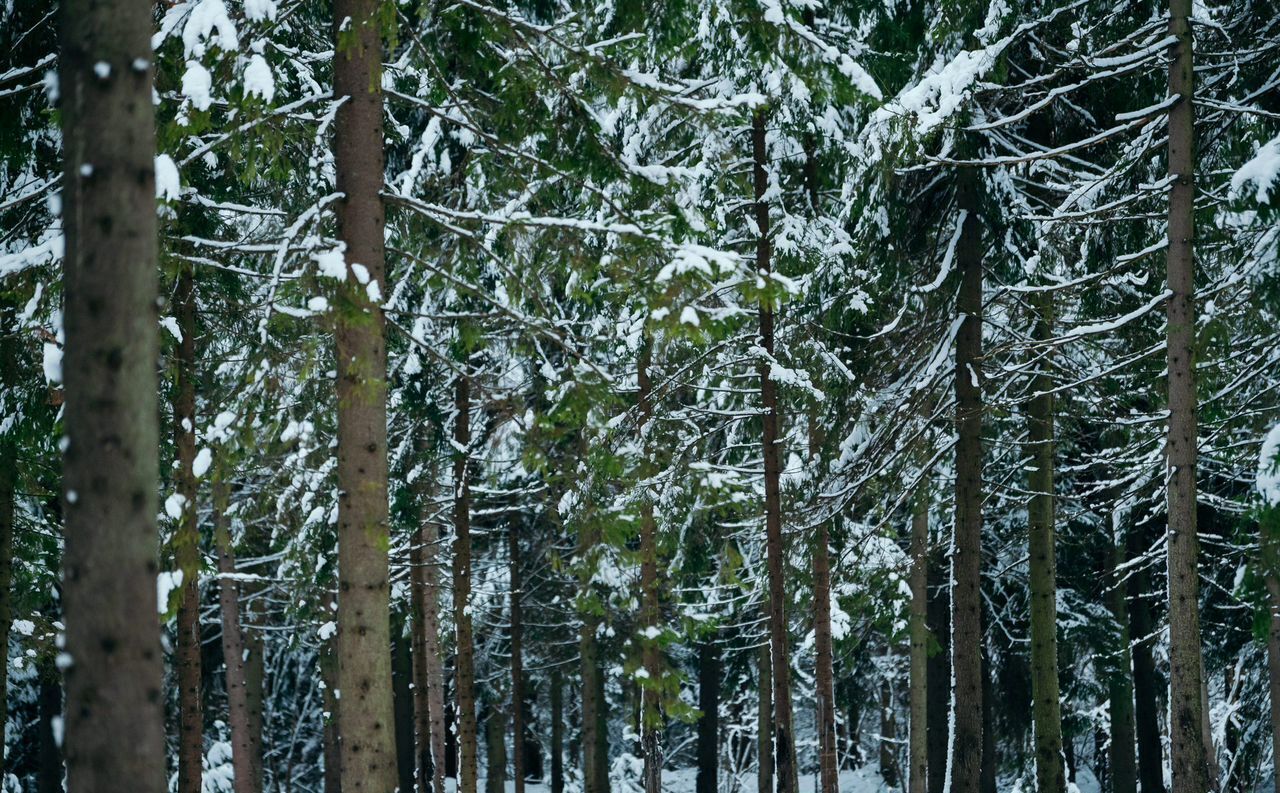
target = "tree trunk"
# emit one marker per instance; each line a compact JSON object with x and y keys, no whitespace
{"x":8,"y":484}
{"x":1146,"y":684}
{"x":186,"y":541}
{"x":115,"y":716}
{"x":332,"y":750}
{"x":784,"y":738}
{"x":764,"y":721}
{"x":517,"y":664}
{"x":1045,"y":708}
{"x":965,"y":768}
{"x":495,"y":731}
{"x":824,"y":672}
{"x":888,"y":737}
{"x":465,"y":673}
{"x":1191,"y":773}
{"x":557,"y":733}
{"x":938,"y":674}
{"x":49,"y":767}
{"x":1272,"y":577}
{"x":428,"y":666}
{"x":990,"y":759}
{"x":918,"y":762}
{"x":402,"y":692}
{"x":233,"y":647}
{"x":651,"y":717}
{"x":709,"y":723}
{"x":364,"y":619}
{"x":254,"y":673}
{"x":1123,"y":767}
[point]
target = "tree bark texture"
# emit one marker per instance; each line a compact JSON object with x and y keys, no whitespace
{"x":233,"y":647}
{"x":709,"y":723}
{"x":115,"y":718}
{"x":918,"y":749}
{"x":1122,"y":757}
{"x":424,"y":581}
{"x":651,"y":716}
{"x":517,"y":663}
{"x":465,"y":674}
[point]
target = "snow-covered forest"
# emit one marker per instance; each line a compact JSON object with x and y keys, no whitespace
{"x":701,"y":396}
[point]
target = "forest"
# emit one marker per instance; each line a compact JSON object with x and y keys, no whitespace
{"x":640,"y":396}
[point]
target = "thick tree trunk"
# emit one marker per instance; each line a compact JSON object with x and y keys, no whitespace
{"x":651,"y":715}
{"x":764,"y":720}
{"x":186,"y":541}
{"x":233,"y":647}
{"x":115,"y":718}
{"x":1191,"y":772}
{"x":824,"y":672}
{"x":709,"y":722}
{"x":1122,"y":755}
{"x":918,"y":750}
{"x":254,"y":679}
{"x":1045,"y":706}
{"x":784,"y":748}
{"x":428,"y":666}
{"x":332,"y":750}
{"x":938,"y":674}
{"x":49,"y":760}
{"x":495,"y":732}
{"x":557,"y":733}
{"x":517,"y":663}
{"x":465,"y":674}
{"x":965,"y":768}
{"x":364,"y":620}
{"x":402,"y":692}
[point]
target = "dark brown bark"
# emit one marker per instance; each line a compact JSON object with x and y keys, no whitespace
{"x":938,"y":673}
{"x":424,"y":578}
{"x":233,"y":648}
{"x":557,"y":733}
{"x":966,"y":558}
{"x":1122,"y":757}
{"x":784,"y":749}
{"x":888,"y":736}
{"x":1271,"y":557}
{"x":1046,"y":708}
{"x":824,"y":672}
{"x":186,"y":541}
{"x":254,"y":676}
{"x":651,"y":706}
{"x":918,"y":751}
{"x":1146,"y":683}
{"x":495,"y":731}
{"x":465,"y":674}
{"x":49,"y":765}
{"x":1189,"y":758}
{"x":764,"y":719}
{"x":332,"y":750}
{"x":709,"y":721}
{"x":115,"y":719}
{"x":8,"y":485}
{"x":402,"y":705}
{"x":364,"y":619}
{"x":517,"y":663}
{"x":595,"y":746}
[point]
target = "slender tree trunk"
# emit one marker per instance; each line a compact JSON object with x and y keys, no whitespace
{"x":709,"y":723}
{"x":938,"y":674}
{"x":764,"y":722}
{"x":254,"y":678}
{"x":1191,"y":773}
{"x":990,"y":759}
{"x":1045,"y":708}
{"x":465,"y":670}
{"x":919,"y":726}
{"x":364,"y":619}
{"x":965,"y":767}
{"x":517,"y":664}
{"x":784,"y":738}
{"x":186,"y":541}
{"x":49,"y":765}
{"x":557,"y":733}
{"x":8,"y":484}
{"x":824,"y":673}
{"x":233,"y":646}
{"x":332,"y":750}
{"x":888,"y":737}
{"x":1272,"y":578}
{"x":429,"y":697}
{"x":1145,"y":681}
{"x":402,"y":692}
{"x":115,"y":718}
{"x":1122,"y":757}
{"x":651,"y":718}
